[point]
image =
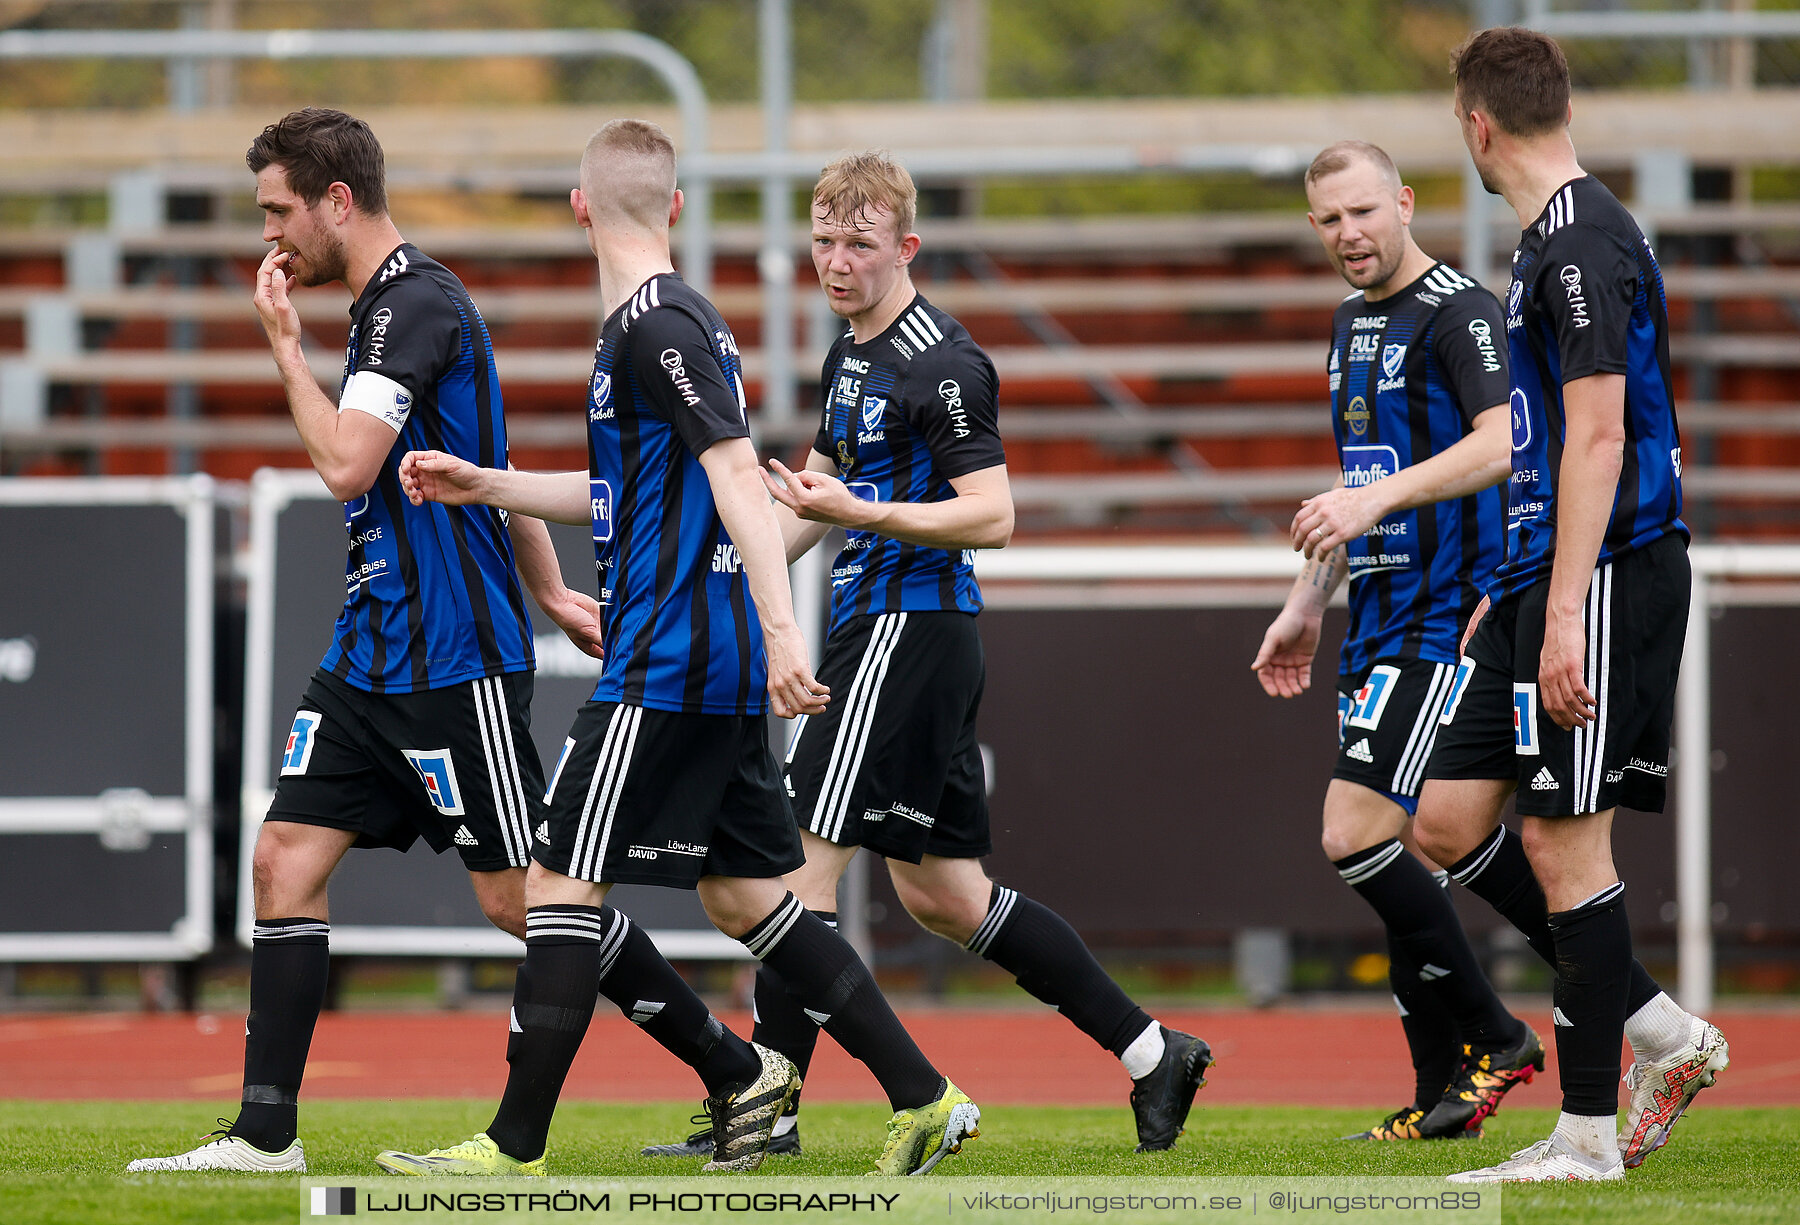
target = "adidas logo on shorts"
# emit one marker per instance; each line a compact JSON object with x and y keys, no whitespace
{"x":464,"y":837}
{"x":543,"y":832}
{"x":1360,"y":751}
{"x":1544,"y":781}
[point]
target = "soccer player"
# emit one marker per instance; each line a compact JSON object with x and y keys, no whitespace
{"x":416,"y":723}
{"x":908,"y":460}
{"x":666,"y":777}
{"x":1418,"y":394}
{"x":1567,"y":691}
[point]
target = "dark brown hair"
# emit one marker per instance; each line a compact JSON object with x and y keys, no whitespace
{"x":1518,"y":77}
{"x":315,"y":148}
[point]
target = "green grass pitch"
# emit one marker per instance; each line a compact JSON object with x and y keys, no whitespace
{"x":63,"y":1162}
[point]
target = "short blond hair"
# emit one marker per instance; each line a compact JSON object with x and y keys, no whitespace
{"x":858,"y":184}
{"x":628,"y":174}
{"x":1340,"y":156}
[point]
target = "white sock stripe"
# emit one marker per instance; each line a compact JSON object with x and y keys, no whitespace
{"x":868,"y":722}
{"x":1601,"y":898}
{"x":995,"y":920}
{"x":1486,"y":857}
{"x":287,"y":931}
{"x":614,"y":944}
{"x":1413,"y":756}
{"x":786,"y":915}
{"x":853,"y":729}
{"x":593,"y":920}
{"x":1357,"y":873}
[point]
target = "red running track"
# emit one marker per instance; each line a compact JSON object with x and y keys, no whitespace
{"x":1337,"y":1057}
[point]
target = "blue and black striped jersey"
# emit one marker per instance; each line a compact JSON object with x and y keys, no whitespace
{"x":1587,"y":298}
{"x":681,"y":633}
{"x":1409,"y":374}
{"x":903,"y":414}
{"x":433,"y":596}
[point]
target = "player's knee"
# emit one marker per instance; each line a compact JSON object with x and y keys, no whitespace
{"x":506,"y":913}
{"x":1436,"y":837}
{"x":1338,"y":842}
{"x":279,"y":870}
{"x":944,"y":912}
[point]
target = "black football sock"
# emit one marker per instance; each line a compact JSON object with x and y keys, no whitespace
{"x":1432,"y":1038}
{"x":1499,"y":873}
{"x":289,"y":960}
{"x":1038,"y":947}
{"x":781,"y":1024}
{"x":1422,"y":922}
{"x":824,"y":974}
{"x":553,"y":1003}
{"x":1593,"y":971}
{"x":635,"y":976}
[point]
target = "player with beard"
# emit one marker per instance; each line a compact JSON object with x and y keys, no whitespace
{"x":1418,"y":392}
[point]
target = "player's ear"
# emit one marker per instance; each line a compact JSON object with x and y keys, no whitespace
{"x":342,"y":200}
{"x":909,"y":247}
{"x":578,"y":203}
{"x":675,"y":206}
{"x":1404,"y":202}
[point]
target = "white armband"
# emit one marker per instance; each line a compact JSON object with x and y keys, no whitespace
{"x":377,"y":395}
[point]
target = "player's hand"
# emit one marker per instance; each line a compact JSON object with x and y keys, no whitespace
{"x":1474,"y":620}
{"x":817,"y":496}
{"x":432,"y":476}
{"x":793,"y":690}
{"x":1284,"y":662}
{"x":1336,"y":517}
{"x":578,"y":617}
{"x":1561,"y":691}
{"x":279,"y":318}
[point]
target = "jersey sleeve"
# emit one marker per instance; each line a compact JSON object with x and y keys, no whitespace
{"x":678,"y":372}
{"x":953,"y":402}
{"x":409,"y":336}
{"x":1586,"y":288}
{"x":1470,"y":346}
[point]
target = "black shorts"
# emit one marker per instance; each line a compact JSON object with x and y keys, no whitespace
{"x":656,"y":797}
{"x":893,"y":764}
{"x":455,"y":766}
{"x":1387,"y":721}
{"x":1636,"y":621}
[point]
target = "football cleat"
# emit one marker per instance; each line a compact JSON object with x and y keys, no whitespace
{"x":1552,"y":1160}
{"x":744,"y":1117}
{"x":919,"y":1138}
{"x":1162,"y":1097}
{"x":479,"y":1156}
{"x":700,"y":1144}
{"x":1662,"y":1090}
{"x":1406,"y":1123}
{"x":1481,"y":1082}
{"x":227,"y":1152}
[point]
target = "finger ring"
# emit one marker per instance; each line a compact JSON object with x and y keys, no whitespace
{"x":1319,"y":532}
